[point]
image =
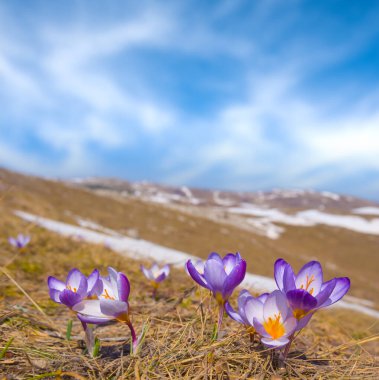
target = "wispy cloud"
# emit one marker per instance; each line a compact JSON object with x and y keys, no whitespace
{"x":234,"y":95}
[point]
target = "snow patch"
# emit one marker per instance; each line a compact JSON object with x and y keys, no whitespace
{"x":366,"y":210}
{"x":94,"y":226}
{"x":307,"y":218}
{"x":330,"y":195}
{"x":221,"y":201}
{"x":354,"y":223}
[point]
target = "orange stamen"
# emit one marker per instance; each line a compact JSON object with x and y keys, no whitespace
{"x":274,"y":326}
{"x":308,"y":284}
{"x":107,"y":296}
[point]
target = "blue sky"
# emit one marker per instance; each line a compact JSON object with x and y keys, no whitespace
{"x":242,"y":95}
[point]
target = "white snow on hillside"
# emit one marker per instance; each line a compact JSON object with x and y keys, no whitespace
{"x":367,"y":211}
{"x":330,"y":195}
{"x":221,"y":201}
{"x":142,"y":249}
{"x":354,"y":223}
{"x":267,"y":217}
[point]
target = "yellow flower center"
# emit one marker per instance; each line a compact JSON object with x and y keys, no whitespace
{"x":107,"y":296}
{"x":274,"y":326}
{"x":308,"y":283}
{"x":72,"y":289}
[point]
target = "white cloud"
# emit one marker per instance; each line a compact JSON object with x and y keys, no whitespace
{"x":266,"y":134}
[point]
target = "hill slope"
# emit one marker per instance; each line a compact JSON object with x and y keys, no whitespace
{"x":178,"y":341}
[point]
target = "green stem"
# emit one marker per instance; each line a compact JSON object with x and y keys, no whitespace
{"x":69,"y":329}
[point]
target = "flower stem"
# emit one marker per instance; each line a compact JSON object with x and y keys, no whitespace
{"x":219,"y":322}
{"x":134,"y":337}
{"x":89,"y":338}
{"x":287,"y":348}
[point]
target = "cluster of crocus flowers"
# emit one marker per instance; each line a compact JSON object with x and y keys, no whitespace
{"x":275,"y":317}
{"x":156,"y":275}
{"x":20,"y":241}
{"x":220,"y":275}
{"x":95,"y":299}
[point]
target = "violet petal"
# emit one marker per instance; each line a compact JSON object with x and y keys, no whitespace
{"x":196,"y":276}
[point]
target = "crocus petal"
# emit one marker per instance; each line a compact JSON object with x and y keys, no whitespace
{"x":279,"y":268}
{"x":260,"y":329}
{"x":199,"y":265}
{"x":154,"y":269}
{"x":253,"y":310}
{"x":288,"y":279}
{"x":83,"y":287}
{"x":54,"y":283}
{"x":304,"y":321}
{"x":275,"y":343}
{"x":215,"y":256}
{"x":95,"y":320}
{"x":341,"y":288}
{"x":229,"y":262}
{"x":233,"y":314}
{"x":12,"y":241}
{"x":310,"y":277}
{"x":23,"y":240}
{"x":214,"y":274}
{"x":74,"y":278}
{"x":196,"y":276}
{"x":242,"y":298}
{"x":325,"y":292}
{"x":147,"y":272}
{"x":290,"y":325}
{"x":93,"y":283}
{"x":113,"y":308}
{"x":113,"y":277}
{"x":300,"y":299}
{"x":235,"y":277}
{"x":54,"y":295}
{"x":276,"y":303}
{"x":108,"y":291}
{"x":90,"y":308}
{"x":69,"y":298}
{"x":263,"y":297}
{"x":123,"y":286}
{"x":166,"y":270}
{"x":161,"y":277}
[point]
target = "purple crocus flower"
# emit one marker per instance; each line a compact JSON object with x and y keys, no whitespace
{"x":111,"y":304}
{"x":156,"y":275}
{"x":76,"y":288}
{"x":306,"y":292}
{"x":221,"y":276}
{"x":272,"y":319}
{"x":20,"y":241}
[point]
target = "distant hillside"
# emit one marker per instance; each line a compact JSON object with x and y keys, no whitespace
{"x":283,"y":199}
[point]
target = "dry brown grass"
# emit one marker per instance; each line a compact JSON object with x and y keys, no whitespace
{"x":337,"y":344}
